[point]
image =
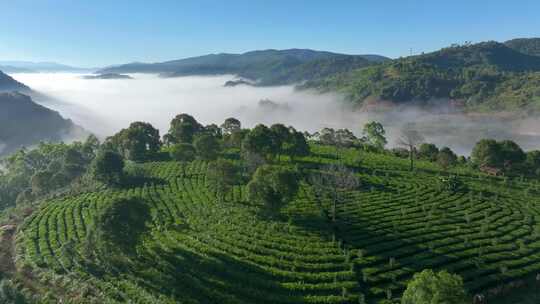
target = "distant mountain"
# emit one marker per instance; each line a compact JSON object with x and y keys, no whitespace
{"x":108,"y":76}
{"x":486,"y":76}
{"x":267,"y":67}
{"x":11,"y":69}
{"x":8,"y":84}
{"x":43,"y":66}
{"x":529,"y":46}
{"x":24,"y":123}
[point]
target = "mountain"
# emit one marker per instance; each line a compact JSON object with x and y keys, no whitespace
{"x":529,"y":46}
{"x":24,"y":123}
{"x":43,"y":66}
{"x":107,"y":76}
{"x":486,"y":76}
{"x":12,"y":69}
{"x":8,"y":84}
{"x":267,"y":67}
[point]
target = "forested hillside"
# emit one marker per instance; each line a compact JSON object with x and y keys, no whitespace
{"x":529,"y":46}
{"x":209,"y":214}
{"x":25,"y":123}
{"x":486,"y":76}
{"x":267,"y":67}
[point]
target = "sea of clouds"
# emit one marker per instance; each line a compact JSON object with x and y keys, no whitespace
{"x":106,"y":106}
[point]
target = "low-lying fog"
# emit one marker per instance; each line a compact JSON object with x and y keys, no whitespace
{"x":105,"y":106}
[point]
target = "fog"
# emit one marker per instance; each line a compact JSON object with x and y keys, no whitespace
{"x":105,"y":106}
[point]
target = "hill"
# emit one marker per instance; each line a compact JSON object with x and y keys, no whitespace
{"x":487,"y":76}
{"x":268,"y":67}
{"x":25,"y":123}
{"x":198,"y":249}
{"x":529,"y":46}
{"x":8,"y":84}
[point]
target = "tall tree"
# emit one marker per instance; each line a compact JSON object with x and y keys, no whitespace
{"x":231,"y":125}
{"x":374,"y":135}
{"x":446,"y":158}
{"x":222,"y":175}
{"x":138,"y":142}
{"x":183,"y":129}
{"x":410,"y":138}
{"x":207,"y":146}
{"x":260,"y":140}
{"x":108,"y":168}
{"x":273,"y":187}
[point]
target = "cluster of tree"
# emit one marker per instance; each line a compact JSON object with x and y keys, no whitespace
{"x":28,"y":174}
{"x":505,"y":156}
{"x":272,"y":187}
{"x":445,"y":157}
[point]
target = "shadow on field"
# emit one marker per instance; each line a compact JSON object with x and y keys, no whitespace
{"x":211,"y":278}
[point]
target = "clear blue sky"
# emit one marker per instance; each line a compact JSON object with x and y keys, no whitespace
{"x":101,"y":32}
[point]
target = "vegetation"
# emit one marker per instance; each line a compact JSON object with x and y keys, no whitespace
{"x":428,"y":287}
{"x":485,"y":76}
{"x":340,"y":223}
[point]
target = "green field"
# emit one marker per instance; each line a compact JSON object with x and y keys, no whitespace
{"x":199,"y":250}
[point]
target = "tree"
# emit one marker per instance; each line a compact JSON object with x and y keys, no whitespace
{"x":428,"y":151}
{"x":533,"y":162}
{"x":281,"y":136}
{"x":446,"y":158}
{"x":511,"y":154}
{"x":108,"y":168}
{"x":428,"y":287}
{"x":41,"y":182}
{"x":214,"y":130}
{"x":231,"y":125}
{"x":182,"y":152}
{"x":335,"y":180}
{"x":297,"y":145}
{"x":183,"y":129}
{"x":374,"y":135}
{"x":120,"y":223}
{"x":260,"y":140}
{"x":138,"y":142}
{"x":222,"y":175}
{"x":409,"y":139}
{"x":273,"y":187}
{"x":505,"y":155}
{"x":207,"y":147}
{"x":486,"y":152}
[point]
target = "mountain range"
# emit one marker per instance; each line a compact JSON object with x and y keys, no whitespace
{"x":15,"y":66}
{"x":265,"y":67}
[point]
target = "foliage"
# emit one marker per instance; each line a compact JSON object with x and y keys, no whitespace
{"x":222,"y":175}
{"x":260,"y":140}
{"x":231,"y":125}
{"x":428,"y":287}
{"x":487,"y":76}
{"x":182,"y":152}
{"x":183,"y":129}
{"x":505,"y":154}
{"x":207,"y":146}
{"x":374,"y":135}
{"x":108,"y":168}
{"x":44,"y":169}
{"x":452,"y":183}
{"x":120,"y":223}
{"x":272,"y":187}
{"x":446,"y":158}
{"x":428,"y":151}
{"x":139,"y":142}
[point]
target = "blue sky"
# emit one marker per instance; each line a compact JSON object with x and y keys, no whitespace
{"x":100,"y":32}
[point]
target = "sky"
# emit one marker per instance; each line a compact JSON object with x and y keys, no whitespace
{"x":97,"y":33}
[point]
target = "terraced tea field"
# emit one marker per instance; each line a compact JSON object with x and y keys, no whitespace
{"x":197,"y":250}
